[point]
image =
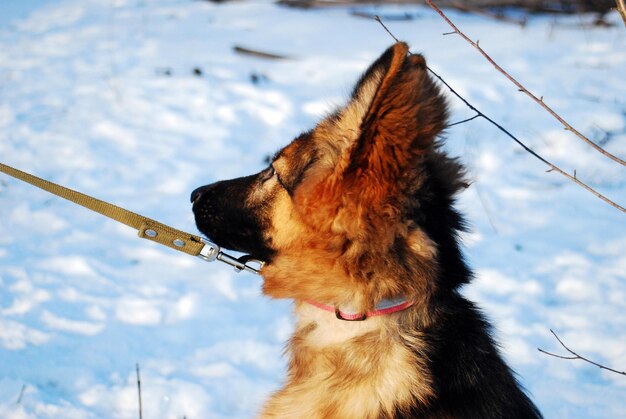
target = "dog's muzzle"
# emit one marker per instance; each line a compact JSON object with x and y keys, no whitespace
{"x":211,"y":251}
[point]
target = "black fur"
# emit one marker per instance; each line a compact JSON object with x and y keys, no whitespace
{"x":471,"y":378}
{"x":222,"y":215}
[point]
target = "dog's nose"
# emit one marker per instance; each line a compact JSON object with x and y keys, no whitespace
{"x":197,"y":193}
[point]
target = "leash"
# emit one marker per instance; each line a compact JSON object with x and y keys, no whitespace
{"x":147,"y":228}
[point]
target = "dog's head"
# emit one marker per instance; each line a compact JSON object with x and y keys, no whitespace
{"x":357,"y":209}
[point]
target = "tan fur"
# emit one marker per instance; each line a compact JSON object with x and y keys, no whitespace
{"x":350,"y":370}
{"x":422,"y":245}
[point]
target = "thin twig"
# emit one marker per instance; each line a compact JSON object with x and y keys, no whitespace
{"x":524,"y":146}
{"x":464,"y":121}
{"x":19,"y":398}
{"x":577,"y":356}
{"x":379,"y":20}
{"x":483,"y":203}
{"x":539,"y":101}
{"x":621,"y":8}
{"x":259,"y":54}
{"x":139,"y":392}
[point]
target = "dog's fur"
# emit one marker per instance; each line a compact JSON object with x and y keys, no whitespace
{"x":358,"y":210}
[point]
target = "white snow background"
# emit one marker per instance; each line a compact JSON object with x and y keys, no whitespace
{"x":101,"y":95}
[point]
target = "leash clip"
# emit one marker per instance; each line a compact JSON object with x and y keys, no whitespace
{"x":211,"y":252}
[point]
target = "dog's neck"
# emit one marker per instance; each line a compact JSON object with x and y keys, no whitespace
{"x":321,"y":328}
{"x":324,"y":324}
{"x":383,"y":308}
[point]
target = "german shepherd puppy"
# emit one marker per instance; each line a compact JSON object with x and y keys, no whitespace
{"x":356,"y":224}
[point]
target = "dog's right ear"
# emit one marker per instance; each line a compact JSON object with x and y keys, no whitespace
{"x":393,"y":117}
{"x":404,"y":113}
{"x":370,"y":82}
{"x":344,"y":128}
{"x":370,"y":151}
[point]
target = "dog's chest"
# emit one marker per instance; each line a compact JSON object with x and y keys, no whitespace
{"x":342,"y":369}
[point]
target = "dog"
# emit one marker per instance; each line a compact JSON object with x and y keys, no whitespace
{"x":356,"y":224}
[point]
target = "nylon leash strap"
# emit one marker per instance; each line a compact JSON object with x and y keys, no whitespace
{"x":147,"y":228}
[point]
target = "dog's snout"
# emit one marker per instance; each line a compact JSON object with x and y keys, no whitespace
{"x":197,"y":193}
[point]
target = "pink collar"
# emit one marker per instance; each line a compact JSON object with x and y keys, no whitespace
{"x":384,"y":307}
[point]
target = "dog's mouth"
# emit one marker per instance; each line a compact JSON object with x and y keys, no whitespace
{"x":221,"y":217}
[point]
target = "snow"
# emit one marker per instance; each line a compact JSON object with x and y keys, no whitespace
{"x":86,"y":100}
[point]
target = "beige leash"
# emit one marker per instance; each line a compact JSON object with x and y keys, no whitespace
{"x":146,"y":227}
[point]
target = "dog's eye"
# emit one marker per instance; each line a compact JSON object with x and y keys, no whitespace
{"x":267,"y":174}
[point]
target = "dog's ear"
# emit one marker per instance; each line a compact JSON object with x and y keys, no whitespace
{"x":402,"y":112}
{"x":369,"y":153}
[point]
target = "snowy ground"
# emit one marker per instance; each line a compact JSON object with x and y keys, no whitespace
{"x":101,"y":95}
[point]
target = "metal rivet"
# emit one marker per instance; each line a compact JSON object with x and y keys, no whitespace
{"x":151,"y":233}
{"x":179,"y":243}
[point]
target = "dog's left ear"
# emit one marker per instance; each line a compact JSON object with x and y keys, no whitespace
{"x":399,"y":112}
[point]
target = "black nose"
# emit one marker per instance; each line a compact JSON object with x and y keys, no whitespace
{"x":195,"y":195}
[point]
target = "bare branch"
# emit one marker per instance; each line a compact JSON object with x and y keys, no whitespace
{"x":19,"y":398}
{"x":259,"y":54}
{"x":379,"y":20}
{"x":524,"y":146}
{"x":139,"y":392}
{"x":523,"y":89}
{"x":465,"y":120}
{"x":576,"y":356}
